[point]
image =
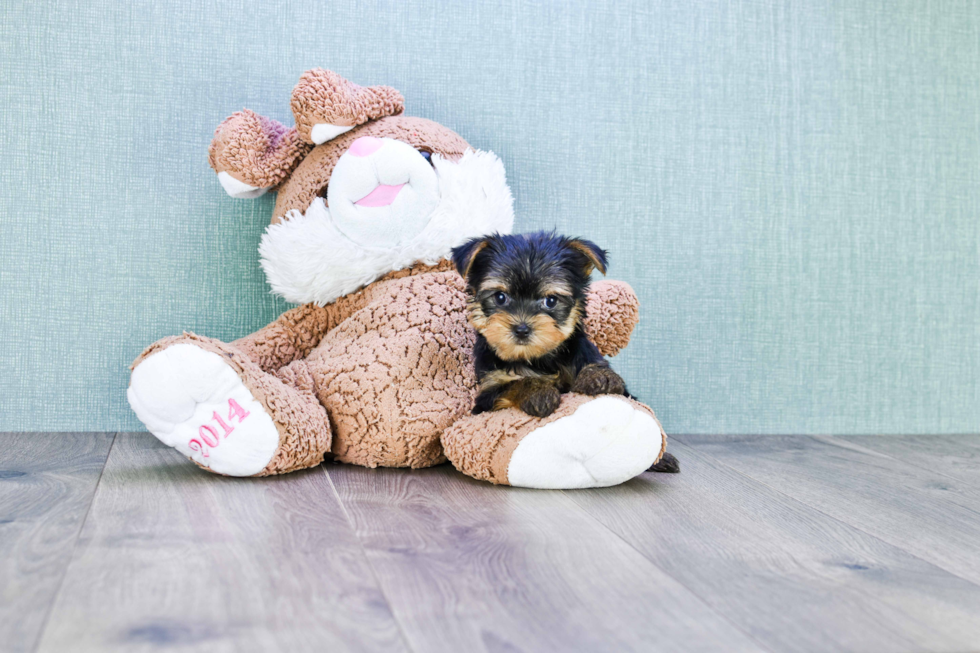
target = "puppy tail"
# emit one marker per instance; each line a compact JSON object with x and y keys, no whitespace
{"x":667,"y":464}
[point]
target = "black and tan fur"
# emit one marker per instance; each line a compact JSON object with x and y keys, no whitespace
{"x":527,"y":302}
{"x":527,"y":297}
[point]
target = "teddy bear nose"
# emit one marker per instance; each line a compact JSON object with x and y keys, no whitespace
{"x":365,"y":146}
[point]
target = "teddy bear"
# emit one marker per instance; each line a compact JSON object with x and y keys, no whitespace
{"x":374,"y":367}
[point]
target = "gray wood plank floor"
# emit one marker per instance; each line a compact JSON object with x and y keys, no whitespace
{"x":171,"y":557}
{"x":794,"y":578}
{"x":46,"y":487}
{"x":955,"y":456}
{"x":469,"y":566}
{"x":920,"y":510}
{"x":768,"y":543}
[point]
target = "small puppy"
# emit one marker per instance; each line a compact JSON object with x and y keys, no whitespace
{"x":527,"y":302}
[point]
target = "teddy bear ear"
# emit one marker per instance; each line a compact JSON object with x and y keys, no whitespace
{"x":325,"y":105}
{"x":252,"y":153}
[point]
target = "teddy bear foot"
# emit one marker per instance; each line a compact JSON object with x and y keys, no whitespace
{"x":587,"y":442}
{"x":604,"y":442}
{"x":193,"y":401}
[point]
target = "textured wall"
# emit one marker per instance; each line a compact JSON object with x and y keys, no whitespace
{"x":793,"y":188}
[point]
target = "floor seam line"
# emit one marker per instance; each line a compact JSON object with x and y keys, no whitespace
{"x":837,"y":519}
{"x":367,"y":559}
{"x":836,"y":441}
{"x":74,"y":547}
{"x":668,"y":574}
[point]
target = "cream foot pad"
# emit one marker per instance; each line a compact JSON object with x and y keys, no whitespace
{"x":605,"y":442}
{"x":193,"y":401}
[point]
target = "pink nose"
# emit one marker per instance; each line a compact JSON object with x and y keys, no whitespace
{"x":365,"y":146}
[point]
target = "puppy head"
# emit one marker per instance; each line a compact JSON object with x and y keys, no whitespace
{"x":527,"y":292}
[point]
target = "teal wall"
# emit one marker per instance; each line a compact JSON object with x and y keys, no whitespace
{"x":793,"y":188}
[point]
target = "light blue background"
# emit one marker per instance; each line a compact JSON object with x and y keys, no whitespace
{"x":793,"y":188}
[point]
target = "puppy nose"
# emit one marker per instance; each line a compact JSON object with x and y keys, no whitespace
{"x":522,"y":330}
{"x":365,"y":146}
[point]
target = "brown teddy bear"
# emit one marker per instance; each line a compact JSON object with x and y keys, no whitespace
{"x":375,"y":367}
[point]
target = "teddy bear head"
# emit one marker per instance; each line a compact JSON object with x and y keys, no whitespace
{"x":362,"y":189}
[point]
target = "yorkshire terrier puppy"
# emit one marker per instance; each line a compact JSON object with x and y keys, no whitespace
{"x":527,"y":303}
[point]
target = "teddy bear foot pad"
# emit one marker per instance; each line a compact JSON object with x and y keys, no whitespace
{"x":605,"y":442}
{"x":193,"y":401}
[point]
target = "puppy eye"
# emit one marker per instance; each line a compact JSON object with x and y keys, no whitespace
{"x":550,"y":301}
{"x":500,"y":298}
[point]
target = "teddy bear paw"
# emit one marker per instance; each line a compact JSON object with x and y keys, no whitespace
{"x":193,"y":401}
{"x":605,"y":442}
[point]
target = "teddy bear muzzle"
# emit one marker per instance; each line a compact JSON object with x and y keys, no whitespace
{"x":382,"y":192}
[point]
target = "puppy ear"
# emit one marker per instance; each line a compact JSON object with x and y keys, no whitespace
{"x":595,"y":255}
{"x":465,"y":254}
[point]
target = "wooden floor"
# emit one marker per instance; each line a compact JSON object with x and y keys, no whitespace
{"x":114,"y":542}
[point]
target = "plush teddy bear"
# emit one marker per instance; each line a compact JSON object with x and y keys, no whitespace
{"x":375,"y":367}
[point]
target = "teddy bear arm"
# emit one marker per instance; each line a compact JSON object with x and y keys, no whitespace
{"x":612,"y":311}
{"x":298,"y":331}
{"x":291,"y":337}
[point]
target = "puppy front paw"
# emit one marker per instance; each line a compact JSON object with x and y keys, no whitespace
{"x":597,"y":379}
{"x":484,"y":403}
{"x":541,"y":401}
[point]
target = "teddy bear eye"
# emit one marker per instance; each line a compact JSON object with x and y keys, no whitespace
{"x":426,"y":155}
{"x":500,"y":298}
